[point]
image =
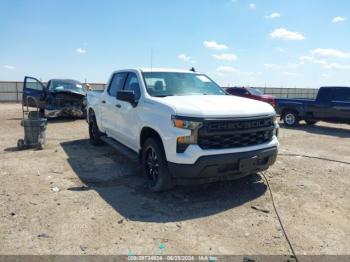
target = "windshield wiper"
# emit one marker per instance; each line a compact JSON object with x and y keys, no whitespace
{"x":163,"y":95}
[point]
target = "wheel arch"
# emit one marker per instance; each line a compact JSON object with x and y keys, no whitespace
{"x":147,"y":132}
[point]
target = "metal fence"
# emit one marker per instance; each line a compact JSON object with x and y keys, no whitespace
{"x":11,"y":91}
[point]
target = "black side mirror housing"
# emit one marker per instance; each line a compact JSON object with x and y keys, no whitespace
{"x":127,"y":96}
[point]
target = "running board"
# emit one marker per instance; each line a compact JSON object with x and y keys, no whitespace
{"x":125,"y":151}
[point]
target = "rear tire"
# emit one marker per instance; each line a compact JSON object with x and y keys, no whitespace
{"x":291,"y":118}
{"x":311,"y":122}
{"x":94,"y":132}
{"x":155,"y":167}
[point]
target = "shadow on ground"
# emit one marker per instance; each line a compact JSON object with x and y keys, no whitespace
{"x":120,"y":184}
{"x":318,"y":129}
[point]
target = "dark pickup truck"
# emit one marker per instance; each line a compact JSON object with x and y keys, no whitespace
{"x":331,"y":105}
{"x":60,"y":97}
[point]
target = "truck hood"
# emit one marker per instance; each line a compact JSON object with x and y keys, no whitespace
{"x":219,"y":106}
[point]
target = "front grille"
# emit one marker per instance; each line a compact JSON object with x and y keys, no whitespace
{"x":223,"y":134}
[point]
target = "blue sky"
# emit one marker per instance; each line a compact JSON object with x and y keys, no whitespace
{"x":289,"y":43}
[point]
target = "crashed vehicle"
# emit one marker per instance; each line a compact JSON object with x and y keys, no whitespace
{"x":60,"y":97}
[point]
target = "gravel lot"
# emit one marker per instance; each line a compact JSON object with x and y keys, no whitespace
{"x":103,"y":207}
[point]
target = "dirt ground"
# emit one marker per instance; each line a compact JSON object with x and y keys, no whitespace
{"x":103,"y":207}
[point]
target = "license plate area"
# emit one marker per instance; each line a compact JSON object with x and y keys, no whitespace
{"x":248,"y":164}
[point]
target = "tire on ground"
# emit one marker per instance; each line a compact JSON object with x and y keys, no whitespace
{"x":291,"y":118}
{"x":94,"y":132}
{"x":155,"y":168}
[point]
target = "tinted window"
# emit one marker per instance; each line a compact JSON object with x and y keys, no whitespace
{"x":342,"y":94}
{"x":132,"y":83}
{"x":161,"y":84}
{"x":57,"y":85}
{"x":255,"y":91}
{"x":236,"y":91}
{"x":116,"y":84}
{"x":34,"y":84}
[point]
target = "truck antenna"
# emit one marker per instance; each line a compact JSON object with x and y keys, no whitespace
{"x":151,"y":59}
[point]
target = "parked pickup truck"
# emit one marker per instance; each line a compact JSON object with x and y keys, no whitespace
{"x":60,"y":97}
{"x":182,"y":127}
{"x":331,"y":105}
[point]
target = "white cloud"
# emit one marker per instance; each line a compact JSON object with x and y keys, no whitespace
{"x":284,"y":34}
{"x":273,"y":16}
{"x":226,"y":57}
{"x":287,"y":73}
{"x":337,"y":66}
{"x":214,"y":45}
{"x":280,"y":49}
{"x":294,"y":65}
{"x":184,"y":57}
{"x":313,"y":60}
{"x":226,"y":69}
{"x":338,"y":19}
{"x":328,"y":52}
{"x":80,"y":50}
{"x":252,"y":5}
{"x":323,"y":63}
{"x":9,"y":67}
{"x":272,"y":66}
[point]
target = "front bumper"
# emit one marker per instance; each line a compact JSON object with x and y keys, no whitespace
{"x":64,"y":111}
{"x":223,"y":167}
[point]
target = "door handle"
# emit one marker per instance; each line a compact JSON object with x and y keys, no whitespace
{"x":117,"y":105}
{"x":103,"y":102}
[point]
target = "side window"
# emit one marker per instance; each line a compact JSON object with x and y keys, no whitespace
{"x":132,"y":83}
{"x":34,"y":84}
{"x":342,"y":94}
{"x":116,"y":84}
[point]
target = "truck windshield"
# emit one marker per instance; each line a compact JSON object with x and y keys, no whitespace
{"x":162,"y":84}
{"x":57,"y":85}
{"x":255,"y":91}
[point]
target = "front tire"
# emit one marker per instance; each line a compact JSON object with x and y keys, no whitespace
{"x":155,"y":166}
{"x":94,"y":132}
{"x":291,"y":118}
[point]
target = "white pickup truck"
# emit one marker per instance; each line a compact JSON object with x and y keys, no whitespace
{"x":182,"y":127}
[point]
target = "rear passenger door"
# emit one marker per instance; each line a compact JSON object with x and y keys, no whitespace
{"x":322,"y":109}
{"x":129,"y":114}
{"x":341,"y":104}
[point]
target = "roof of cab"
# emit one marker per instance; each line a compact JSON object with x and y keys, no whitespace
{"x":174,"y":70}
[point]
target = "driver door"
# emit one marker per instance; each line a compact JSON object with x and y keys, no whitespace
{"x":129,"y":114}
{"x":33,"y":93}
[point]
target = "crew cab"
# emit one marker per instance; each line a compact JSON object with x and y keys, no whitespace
{"x":182,"y":127}
{"x":332,"y":105}
{"x":252,"y":93}
{"x":60,"y":97}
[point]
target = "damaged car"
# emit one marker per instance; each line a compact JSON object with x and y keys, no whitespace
{"x":59,"y":98}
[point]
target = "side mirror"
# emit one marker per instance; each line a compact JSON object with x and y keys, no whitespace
{"x":127,"y":96}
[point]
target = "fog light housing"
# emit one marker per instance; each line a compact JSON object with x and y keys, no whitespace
{"x":183,"y":142}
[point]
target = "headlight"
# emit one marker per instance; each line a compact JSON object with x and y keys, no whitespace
{"x":181,"y":122}
{"x":186,"y":123}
